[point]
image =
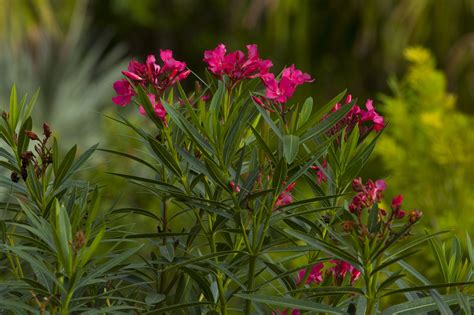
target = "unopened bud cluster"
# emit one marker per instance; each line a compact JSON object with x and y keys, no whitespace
{"x":41,"y":158}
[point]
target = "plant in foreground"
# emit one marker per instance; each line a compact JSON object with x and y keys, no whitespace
{"x":252,"y":210}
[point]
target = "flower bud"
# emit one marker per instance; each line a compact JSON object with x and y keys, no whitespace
{"x":235,"y":188}
{"x":357,"y":185}
{"x":347,"y":226}
{"x":30,"y":134}
{"x":414,"y":216}
{"x":46,"y":130}
{"x":397,"y":203}
{"x":80,"y":240}
{"x":26,"y":156}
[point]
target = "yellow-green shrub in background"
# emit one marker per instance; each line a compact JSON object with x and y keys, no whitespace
{"x":428,"y":148}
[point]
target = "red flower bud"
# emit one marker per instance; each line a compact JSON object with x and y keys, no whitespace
{"x":46,"y":130}
{"x":357,"y":184}
{"x":397,"y":203}
{"x":30,"y":134}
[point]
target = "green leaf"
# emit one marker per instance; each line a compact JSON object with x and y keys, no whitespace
{"x":89,"y":251}
{"x":83,"y":158}
{"x":23,"y":140}
{"x":165,"y":157}
{"x":269,"y":121}
{"x":279,"y":176}
{"x":326,"y":124}
{"x":27,"y":109}
{"x":187,"y":128}
{"x":175,"y":307}
{"x":216,"y":101}
{"x":291,"y":303}
{"x":305,"y":112}
{"x":330,"y":290}
{"x":317,"y":116}
{"x":13,"y":118}
{"x":153,"y":298}
{"x":325,"y":247}
{"x":63,"y":236}
{"x":431,"y":286}
{"x":419,"y":306}
{"x":64,"y":168}
{"x":434,"y":293}
{"x":291,"y":145}
{"x":263,"y":145}
{"x":373,"y":225}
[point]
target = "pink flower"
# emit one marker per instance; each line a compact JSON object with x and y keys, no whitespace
{"x":159,"y":77}
{"x":372,"y":116}
{"x":396,"y":207}
{"x":367,"y":195}
{"x":397,"y":202}
{"x":375,"y":190}
{"x":315,"y":274}
{"x":280,"y":91}
{"x":285,"y":196}
{"x":153,"y":78}
{"x":367,"y":120}
{"x":321,"y":177}
{"x":124,"y":92}
{"x":235,"y":188}
{"x":159,"y":109}
{"x":341,"y":268}
{"x":296,"y":76}
{"x":235,"y":65}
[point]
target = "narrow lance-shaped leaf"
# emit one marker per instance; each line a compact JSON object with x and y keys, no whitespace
{"x":291,"y":303}
{"x":291,"y":145}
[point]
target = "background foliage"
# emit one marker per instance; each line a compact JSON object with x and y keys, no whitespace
{"x":73,"y":51}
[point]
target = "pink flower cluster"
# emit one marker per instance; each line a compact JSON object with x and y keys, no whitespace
{"x":338,"y":271}
{"x":285,"y":197}
{"x":367,"y":119}
{"x":235,"y":65}
{"x":367,"y":195}
{"x":320,"y":176}
{"x":281,"y":90}
{"x":152,"y":77}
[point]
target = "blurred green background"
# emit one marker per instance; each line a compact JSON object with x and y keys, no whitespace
{"x":74,"y":50}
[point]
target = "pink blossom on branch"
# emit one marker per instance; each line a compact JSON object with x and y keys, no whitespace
{"x":281,"y":90}
{"x":315,"y":275}
{"x":368,"y":194}
{"x":157,"y":106}
{"x":285,"y":197}
{"x":235,"y":65}
{"x":159,"y":77}
{"x":124,"y":92}
{"x":320,"y":176}
{"x":155,"y":79}
{"x":341,"y":268}
{"x":396,"y":207}
{"x":367,"y":119}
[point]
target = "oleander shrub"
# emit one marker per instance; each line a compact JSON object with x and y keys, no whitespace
{"x":254,"y":206}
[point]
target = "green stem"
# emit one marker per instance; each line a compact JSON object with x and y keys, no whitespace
{"x":251,"y":282}
{"x":220,"y":285}
{"x":371,"y":283}
{"x":65,"y":309}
